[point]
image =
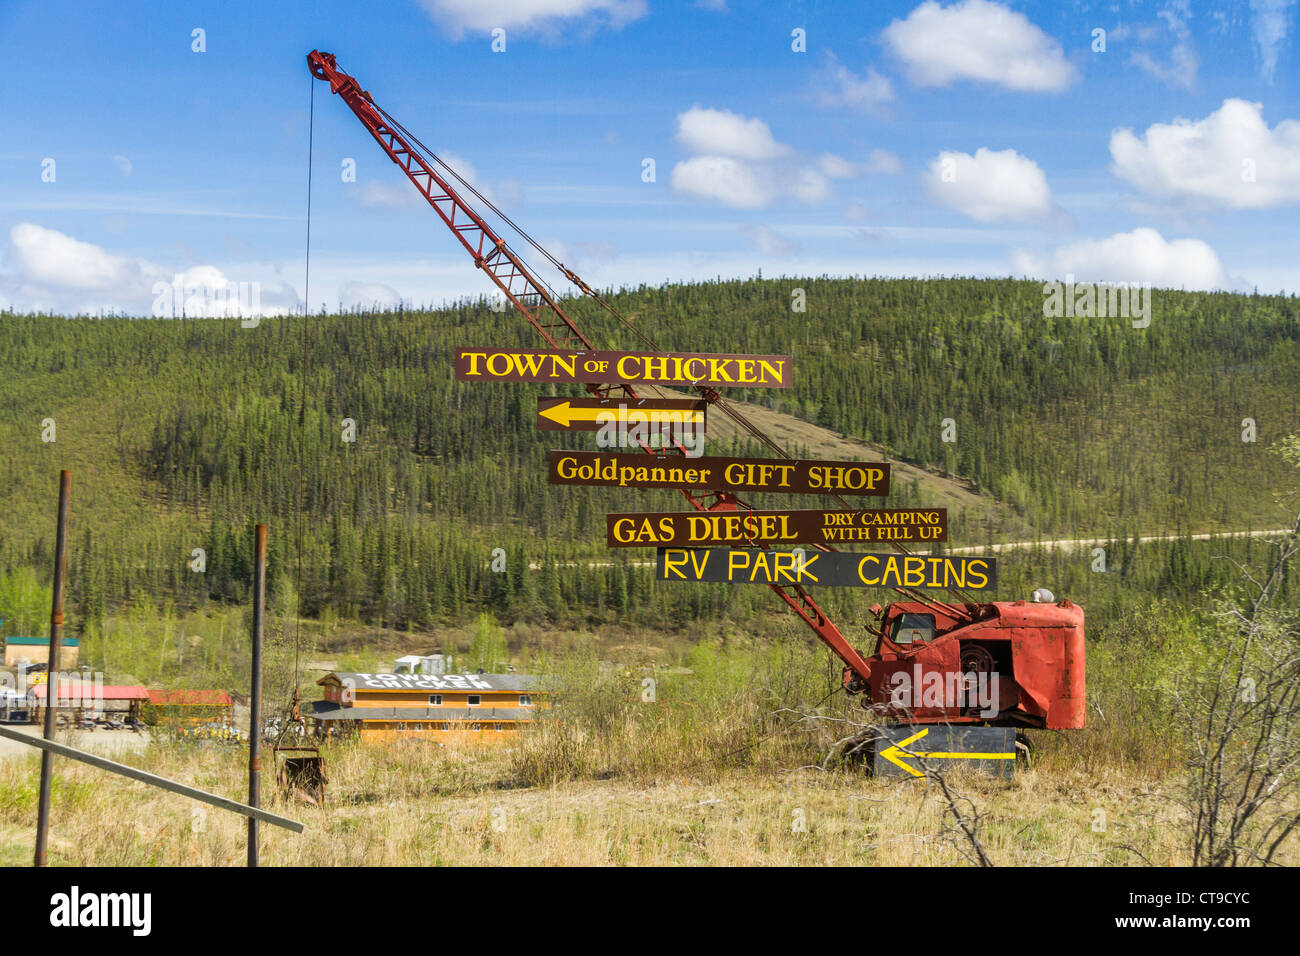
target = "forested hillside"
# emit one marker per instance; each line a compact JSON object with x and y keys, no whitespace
{"x":181,"y":434}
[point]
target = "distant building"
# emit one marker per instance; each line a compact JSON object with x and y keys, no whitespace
{"x":91,"y":698}
{"x":461,"y":709}
{"x":435,"y":664}
{"x":36,"y":650}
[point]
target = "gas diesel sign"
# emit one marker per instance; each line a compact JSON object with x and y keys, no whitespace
{"x":614,"y":368}
{"x":784,"y":476}
{"x":834,"y":568}
{"x":775,"y":527}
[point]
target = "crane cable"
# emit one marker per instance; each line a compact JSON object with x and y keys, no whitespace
{"x":302,"y":419}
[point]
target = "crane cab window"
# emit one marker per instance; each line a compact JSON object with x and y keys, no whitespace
{"x":913,"y":629}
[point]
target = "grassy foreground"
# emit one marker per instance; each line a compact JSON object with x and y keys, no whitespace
{"x":722,"y":767}
{"x":420,"y":807}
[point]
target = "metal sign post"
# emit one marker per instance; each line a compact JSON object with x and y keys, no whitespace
{"x":52,"y":667}
{"x":255,"y":697}
{"x":163,"y":783}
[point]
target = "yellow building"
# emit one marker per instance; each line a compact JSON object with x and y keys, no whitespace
{"x":463,"y":709}
{"x":36,"y":650}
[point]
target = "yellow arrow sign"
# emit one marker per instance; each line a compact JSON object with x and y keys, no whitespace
{"x":895,"y":751}
{"x":566,"y":415}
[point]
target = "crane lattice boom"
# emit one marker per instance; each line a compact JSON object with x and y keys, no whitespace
{"x":530,"y":296}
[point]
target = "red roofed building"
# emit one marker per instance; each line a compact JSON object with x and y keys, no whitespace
{"x":85,"y":690}
{"x":90,"y":696}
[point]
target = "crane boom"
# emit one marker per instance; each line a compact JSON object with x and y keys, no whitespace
{"x":530,"y":296}
{"x":489,"y":250}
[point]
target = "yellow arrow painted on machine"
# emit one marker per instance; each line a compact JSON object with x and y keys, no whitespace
{"x":565,"y":414}
{"x":893,"y":752}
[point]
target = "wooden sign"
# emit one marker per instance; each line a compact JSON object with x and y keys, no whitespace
{"x":593,"y":414}
{"x":785,"y":476}
{"x":775,"y":527}
{"x":834,"y":568}
{"x":631,"y":368}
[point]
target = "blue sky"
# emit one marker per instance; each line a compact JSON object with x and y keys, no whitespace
{"x":936,"y":138}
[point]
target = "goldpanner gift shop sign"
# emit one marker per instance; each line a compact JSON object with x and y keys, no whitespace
{"x":789,"y":476}
{"x":631,"y":368}
{"x":834,"y":568}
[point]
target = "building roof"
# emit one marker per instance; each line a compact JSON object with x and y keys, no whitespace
{"x":39,"y":641}
{"x":432,"y":682}
{"x":189,"y":698}
{"x":84,"y":689}
{"x":328,"y":710}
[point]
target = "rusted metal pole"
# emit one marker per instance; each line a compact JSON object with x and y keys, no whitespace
{"x":171,"y":786}
{"x":255,"y":696}
{"x":52,"y":668}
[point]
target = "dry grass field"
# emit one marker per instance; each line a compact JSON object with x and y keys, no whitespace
{"x":723,"y":769}
{"x":416,"y":805}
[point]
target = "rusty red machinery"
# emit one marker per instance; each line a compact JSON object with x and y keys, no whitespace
{"x":1029,"y":656}
{"x":1026,"y":658}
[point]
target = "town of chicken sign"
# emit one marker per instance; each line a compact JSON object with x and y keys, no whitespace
{"x":626,"y":368}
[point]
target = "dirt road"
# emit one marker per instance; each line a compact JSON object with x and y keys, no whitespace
{"x":105,"y":742}
{"x":1070,"y":544}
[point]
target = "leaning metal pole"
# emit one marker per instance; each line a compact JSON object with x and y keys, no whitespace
{"x":255,"y":695}
{"x":52,"y":668}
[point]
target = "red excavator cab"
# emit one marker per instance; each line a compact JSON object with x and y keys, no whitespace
{"x":1005,"y":664}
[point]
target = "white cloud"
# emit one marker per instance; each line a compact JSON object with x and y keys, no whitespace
{"x":989,"y":186}
{"x":1229,"y":159}
{"x":1268,"y":21}
{"x":1142,"y":255}
{"x":768,"y":242}
{"x":1180,"y":71}
{"x":741,"y":164}
{"x":722,"y":178}
{"x":51,"y":271}
{"x":48,"y":258}
{"x":481,"y":16}
{"x":723,"y":133}
{"x":368,"y":295}
{"x":855,"y":212}
{"x":883,"y":161}
{"x":810,"y":185}
{"x":842,"y":87}
{"x":978,"y":40}
{"x":836,"y":167}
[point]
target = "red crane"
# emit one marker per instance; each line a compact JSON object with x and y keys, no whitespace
{"x":1046,"y":693}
